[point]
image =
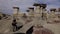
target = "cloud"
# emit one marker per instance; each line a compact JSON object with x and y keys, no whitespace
{"x":50,"y":3}
{"x":6,"y":5}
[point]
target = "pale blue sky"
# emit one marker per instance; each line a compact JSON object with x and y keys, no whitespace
{"x":6,"y":5}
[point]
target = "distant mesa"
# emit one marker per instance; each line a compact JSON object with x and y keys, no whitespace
{"x":53,"y":9}
{"x":59,"y":9}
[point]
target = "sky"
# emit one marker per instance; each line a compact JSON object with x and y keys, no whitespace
{"x":6,"y":5}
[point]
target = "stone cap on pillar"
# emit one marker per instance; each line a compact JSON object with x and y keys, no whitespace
{"x":15,"y":7}
{"x":27,"y":10}
{"x":53,"y":9}
{"x":41,"y":5}
{"x":31,"y":8}
{"x":36,"y":4}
